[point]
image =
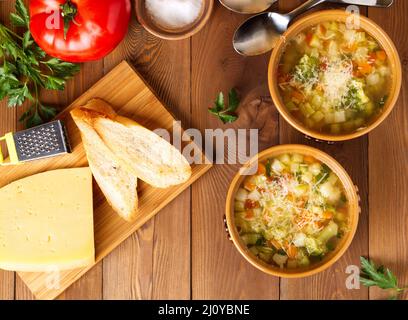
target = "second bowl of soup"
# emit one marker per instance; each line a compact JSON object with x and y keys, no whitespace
{"x":292,"y":211}
{"x":333,"y":80}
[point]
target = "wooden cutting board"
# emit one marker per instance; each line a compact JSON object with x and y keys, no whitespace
{"x":130,"y":96}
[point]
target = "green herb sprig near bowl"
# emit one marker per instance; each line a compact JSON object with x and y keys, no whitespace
{"x":25,"y":69}
{"x":226,"y":113}
{"x":381,"y":277}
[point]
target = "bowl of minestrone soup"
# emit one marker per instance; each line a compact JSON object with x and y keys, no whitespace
{"x":292,"y":211}
{"x":332,"y":79}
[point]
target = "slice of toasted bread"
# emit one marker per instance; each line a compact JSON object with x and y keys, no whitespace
{"x":116,"y":182}
{"x":151,"y":158}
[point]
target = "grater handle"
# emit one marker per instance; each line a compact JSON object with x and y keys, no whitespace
{"x":13,"y":157}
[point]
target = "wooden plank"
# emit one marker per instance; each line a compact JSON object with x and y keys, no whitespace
{"x":388,"y":160}
{"x":218,"y":270}
{"x":331,"y":284}
{"x":159,"y":253}
{"x":131,"y":98}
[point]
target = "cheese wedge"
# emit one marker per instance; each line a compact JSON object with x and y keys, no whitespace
{"x":46,"y":222}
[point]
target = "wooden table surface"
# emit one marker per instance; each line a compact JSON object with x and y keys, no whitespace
{"x":183,"y":253}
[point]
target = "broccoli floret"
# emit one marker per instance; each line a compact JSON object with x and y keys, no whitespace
{"x":355,"y":97}
{"x":306,"y":71}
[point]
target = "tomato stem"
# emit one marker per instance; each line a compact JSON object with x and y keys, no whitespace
{"x":68,"y":13}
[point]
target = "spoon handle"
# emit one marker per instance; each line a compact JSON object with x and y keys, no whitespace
{"x":368,"y":3}
{"x":304,"y":7}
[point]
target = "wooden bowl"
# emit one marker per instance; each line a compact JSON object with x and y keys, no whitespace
{"x":335,"y":15}
{"x":173,"y":34}
{"x":352,"y":199}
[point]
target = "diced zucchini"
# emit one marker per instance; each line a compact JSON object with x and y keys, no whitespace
{"x":332,"y":178}
{"x":307,"y":177}
{"x":254,"y":195}
{"x":313,"y":247}
{"x":315,"y":168}
{"x":330,"y":192}
{"x":265,"y":257}
{"x":241,"y":195}
{"x":294,"y":167}
{"x":298,"y":158}
{"x":333,"y":25}
{"x":315,"y":42}
{"x":254,"y":250}
{"x":339,"y":116}
{"x":251,"y":238}
{"x":333,"y":48}
{"x":277,"y":166}
{"x":369,"y":108}
{"x":306,"y":109}
{"x":330,"y":231}
{"x":291,"y":106}
{"x":303,"y":261}
{"x":284,"y":158}
{"x":340,"y":216}
{"x":280,"y":259}
{"x":318,"y":116}
{"x":239,"y":206}
{"x":300,"y":189}
{"x":244,"y":225}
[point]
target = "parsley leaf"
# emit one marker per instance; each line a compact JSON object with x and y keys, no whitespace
{"x":373,"y":276}
{"x":226,"y":113}
{"x":25,"y":69}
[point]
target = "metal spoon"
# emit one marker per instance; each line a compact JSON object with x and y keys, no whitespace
{"x":260,"y":33}
{"x":247,"y":6}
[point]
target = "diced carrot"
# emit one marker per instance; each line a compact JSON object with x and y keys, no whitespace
{"x":349,"y":48}
{"x":249,"y":214}
{"x":261,"y":169}
{"x":343,"y":209}
{"x":322,"y":29}
{"x":328,"y":215}
{"x":381,"y":55}
{"x":364,"y":68}
{"x":249,"y":185}
{"x":292,"y":251}
{"x":372,"y":57}
{"x":298,"y":96}
{"x":308,"y":159}
{"x":251,"y":204}
{"x":276,"y":244}
{"x":309,"y":38}
{"x":290,"y":197}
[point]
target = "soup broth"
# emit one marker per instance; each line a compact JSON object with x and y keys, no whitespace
{"x":293,"y":212}
{"x":334,"y":80}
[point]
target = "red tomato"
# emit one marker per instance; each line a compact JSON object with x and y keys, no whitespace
{"x":93,"y":28}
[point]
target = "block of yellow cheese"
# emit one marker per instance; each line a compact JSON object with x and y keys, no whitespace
{"x":46,"y":222}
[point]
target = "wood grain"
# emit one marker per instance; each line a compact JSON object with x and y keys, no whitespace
{"x":331,"y":284}
{"x":128,"y":94}
{"x":160,"y":252}
{"x":218,"y":270}
{"x":388,"y":174}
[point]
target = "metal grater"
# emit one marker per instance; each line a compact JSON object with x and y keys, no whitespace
{"x":46,"y":140}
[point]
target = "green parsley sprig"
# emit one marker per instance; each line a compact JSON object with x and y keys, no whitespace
{"x":25,"y":69}
{"x":226,"y":113}
{"x":381,"y":277}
